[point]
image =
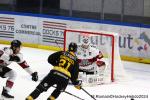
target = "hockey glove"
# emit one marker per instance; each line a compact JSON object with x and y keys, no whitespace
{"x":34,"y":76}
{"x":78,"y":85}
{"x":14,"y":58}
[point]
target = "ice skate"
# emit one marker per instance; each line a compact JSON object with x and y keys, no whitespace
{"x":5,"y":95}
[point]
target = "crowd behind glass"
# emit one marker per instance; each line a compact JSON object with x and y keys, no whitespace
{"x":133,"y":11}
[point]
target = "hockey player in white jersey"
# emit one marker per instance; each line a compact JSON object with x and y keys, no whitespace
{"x":91,"y":65}
{"x":7,"y":56}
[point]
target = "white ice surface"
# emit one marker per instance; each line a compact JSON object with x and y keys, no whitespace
{"x":37,"y":59}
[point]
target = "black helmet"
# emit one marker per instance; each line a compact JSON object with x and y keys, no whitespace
{"x":16,"y":43}
{"x":72,"y":47}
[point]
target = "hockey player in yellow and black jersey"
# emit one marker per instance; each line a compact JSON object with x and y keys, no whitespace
{"x":65,"y":67}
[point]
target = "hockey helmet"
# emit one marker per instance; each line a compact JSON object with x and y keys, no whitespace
{"x":85,"y":40}
{"x":72,"y":47}
{"x":16,"y":43}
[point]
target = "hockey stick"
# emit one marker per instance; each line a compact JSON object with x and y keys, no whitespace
{"x":88,"y":93}
{"x":71,"y":94}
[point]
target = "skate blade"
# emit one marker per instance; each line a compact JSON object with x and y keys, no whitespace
{"x":4,"y":98}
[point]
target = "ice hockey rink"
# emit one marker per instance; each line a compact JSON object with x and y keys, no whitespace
{"x":137,"y":87}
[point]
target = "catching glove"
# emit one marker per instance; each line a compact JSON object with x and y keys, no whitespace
{"x":100,"y":63}
{"x":34,"y":76}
